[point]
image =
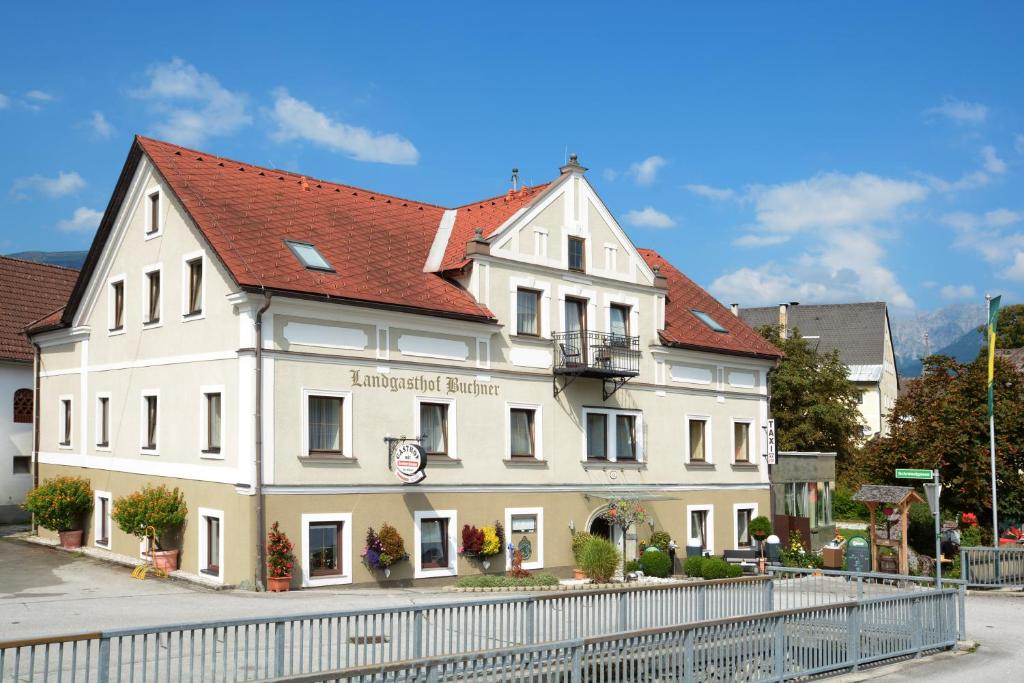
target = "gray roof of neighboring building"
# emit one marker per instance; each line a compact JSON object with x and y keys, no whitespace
{"x":876,"y":493}
{"x":857,"y":331}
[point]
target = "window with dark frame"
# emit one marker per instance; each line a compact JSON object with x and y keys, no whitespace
{"x":698,"y":443}
{"x":577,"y":254}
{"x":154,"y":213}
{"x":103,"y":407}
{"x":528,"y":312}
{"x":619,"y":322}
{"x":625,"y":437}
{"x":24,"y":406}
{"x":213,"y":422}
{"x":103,"y":510}
{"x":741,"y":441}
{"x":21,"y":464}
{"x":309,"y":256}
{"x":325,"y":425}
{"x":597,"y":436}
{"x":195,"y":286}
{"x":699,"y":527}
{"x":521,"y":427}
{"x":325,"y":548}
{"x":743,"y":517}
{"x":434,"y":543}
{"x":153,"y":312}
{"x":66,"y":409}
{"x":151,"y":417}
{"x":212,"y":545}
{"x":117,"y":319}
{"x":434,"y":428}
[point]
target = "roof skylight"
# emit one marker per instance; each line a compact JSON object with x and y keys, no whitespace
{"x":309,"y":256}
{"x":708,"y":320}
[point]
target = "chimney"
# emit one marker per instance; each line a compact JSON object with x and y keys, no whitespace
{"x":659,"y":280}
{"x":573,"y":166}
{"x":735,"y":308}
{"x":783,"y":320}
{"x":515,"y":179}
{"x":478,"y":245}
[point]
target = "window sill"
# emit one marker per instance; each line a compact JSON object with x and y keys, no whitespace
{"x":115,"y":332}
{"x":752,"y":466}
{"x":699,"y":465}
{"x":332,"y":580}
{"x":614,"y":465}
{"x":153,"y":234}
{"x":103,"y":544}
{"x":152,"y":325}
{"x":433,"y":573}
{"x":149,"y":451}
{"x":530,"y":339}
{"x":103,"y":449}
{"x":64,"y":446}
{"x":335,"y":459}
{"x":443,"y":460}
{"x":211,"y":455}
{"x":187,"y":317}
{"x":526,"y":462}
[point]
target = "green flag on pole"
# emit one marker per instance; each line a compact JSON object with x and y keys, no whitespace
{"x":993,"y":325}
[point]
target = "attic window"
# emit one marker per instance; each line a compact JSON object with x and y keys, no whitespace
{"x":309,"y":256}
{"x":708,"y":320}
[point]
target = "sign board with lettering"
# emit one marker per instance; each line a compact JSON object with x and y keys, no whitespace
{"x":913,"y":474}
{"x":410,"y":461}
{"x":772,"y":444}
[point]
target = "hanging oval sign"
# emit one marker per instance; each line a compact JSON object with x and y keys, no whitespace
{"x":410,"y":461}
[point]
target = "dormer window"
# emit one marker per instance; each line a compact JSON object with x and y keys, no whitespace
{"x":308,"y":256}
{"x":708,"y":320}
{"x":577,"y":254}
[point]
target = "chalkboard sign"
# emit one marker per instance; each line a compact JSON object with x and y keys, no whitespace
{"x":858,"y":555}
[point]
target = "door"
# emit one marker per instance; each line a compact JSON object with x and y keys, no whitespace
{"x":576,"y":330}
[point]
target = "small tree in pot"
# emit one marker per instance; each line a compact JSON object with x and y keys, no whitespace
{"x":59,"y":505}
{"x":280,"y":560}
{"x":153,"y":513}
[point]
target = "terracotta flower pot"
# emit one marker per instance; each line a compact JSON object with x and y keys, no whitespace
{"x":165,"y":559}
{"x":579,"y":574}
{"x":279,"y":584}
{"x":70,"y":539}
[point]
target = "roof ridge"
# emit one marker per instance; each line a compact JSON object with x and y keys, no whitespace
{"x":39,"y":263}
{"x":532,"y":188}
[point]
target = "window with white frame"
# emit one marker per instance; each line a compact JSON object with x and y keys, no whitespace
{"x":66,"y":418}
{"x":435,"y":424}
{"x":743,"y":513}
{"x":115,"y":305}
{"x":101,"y":527}
{"x":524,"y":432}
{"x":613,"y":435}
{"x":524,"y":528}
{"x":103,"y":420}
{"x":528,"y":312}
{"x":327,"y":416}
{"x":435,"y":546}
{"x":152,"y":299}
{"x":150,"y":422}
{"x":326,"y":557}
{"x":154,"y":214}
{"x":700,"y":526}
{"x":742,"y":446}
{"x":192,"y":286}
{"x":211,"y":424}
{"x":698,"y":439}
{"x":211,"y":543}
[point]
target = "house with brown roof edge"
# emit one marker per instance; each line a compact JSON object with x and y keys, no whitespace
{"x":287,"y":349}
{"x":31,"y":291}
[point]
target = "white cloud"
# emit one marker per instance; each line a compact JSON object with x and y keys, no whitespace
{"x":959,"y":111}
{"x":298,"y":120}
{"x":1016,"y":269}
{"x":610,"y":174}
{"x":5,"y":101}
{"x":63,"y":184}
{"x":194,"y":105}
{"x":649,"y":217}
{"x":992,"y":162}
{"x":83,"y":220}
{"x":99,"y":125}
{"x":987,"y":234}
{"x":39,"y":96}
{"x":968,"y":181}
{"x":759,"y":240}
{"x":646,"y":172}
{"x":958,"y":292}
{"x":717,"y":194}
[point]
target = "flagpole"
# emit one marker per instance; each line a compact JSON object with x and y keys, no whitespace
{"x":992,"y":326}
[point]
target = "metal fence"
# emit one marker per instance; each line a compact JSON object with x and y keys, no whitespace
{"x":252,"y":649}
{"x":992,"y":567}
{"x":778,"y":646}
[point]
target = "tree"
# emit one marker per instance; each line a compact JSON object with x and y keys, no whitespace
{"x":812,"y":400}
{"x":941,"y":422}
{"x":1011,"y":329}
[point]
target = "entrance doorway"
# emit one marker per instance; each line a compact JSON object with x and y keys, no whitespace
{"x":601,"y":527}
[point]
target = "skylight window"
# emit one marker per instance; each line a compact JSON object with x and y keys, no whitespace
{"x":708,"y":320}
{"x":309,"y":256}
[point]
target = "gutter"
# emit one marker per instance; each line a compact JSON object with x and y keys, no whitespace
{"x":261,"y":522}
{"x":36,"y":366}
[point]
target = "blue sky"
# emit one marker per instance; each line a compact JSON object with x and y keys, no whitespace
{"x":772,"y":151}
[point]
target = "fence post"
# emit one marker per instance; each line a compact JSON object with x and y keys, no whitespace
{"x":279,"y":648}
{"x":530,"y":635}
{"x":780,"y":648}
{"x":577,"y":663}
{"x":962,"y":611}
{"x":417,"y":634}
{"x":688,"y":654}
{"x":860,"y":588}
{"x":769,"y":594}
{"x":853,"y":644}
{"x":964,"y":567}
{"x":702,"y":598}
{"x":623,"y":611}
{"x":917,"y":634}
{"x":103,"y":661}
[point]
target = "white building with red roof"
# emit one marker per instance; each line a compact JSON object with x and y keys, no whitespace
{"x":286,"y":349}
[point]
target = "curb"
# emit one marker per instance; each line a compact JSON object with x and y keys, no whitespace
{"x":963,"y":647}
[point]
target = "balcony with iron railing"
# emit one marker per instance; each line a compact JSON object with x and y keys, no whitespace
{"x":614,"y":358}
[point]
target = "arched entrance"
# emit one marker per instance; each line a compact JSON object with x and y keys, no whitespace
{"x":601,"y":527}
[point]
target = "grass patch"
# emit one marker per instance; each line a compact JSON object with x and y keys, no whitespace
{"x":493,"y":581}
{"x":853,"y":533}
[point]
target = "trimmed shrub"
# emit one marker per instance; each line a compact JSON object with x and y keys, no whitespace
{"x":579,"y":539}
{"x":599,"y":559}
{"x":153,"y":506}
{"x":693,"y":566}
{"x":59,"y":503}
{"x":656,"y":563}
{"x":633,"y":566}
{"x":714,"y":568}
{"x":733,"y":571}
{"x":760,"y":527}
{"x":493,"y":581}
{"x":660,"y":539}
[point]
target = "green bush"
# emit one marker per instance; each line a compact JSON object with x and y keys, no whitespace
{"x":656,"y":563}
{"x":153,"y":506}
{"x":599,"y":559}
{"x":59,"y":503}
{"x":633,"y":566}
{"x":760,"y":527}
{"x":921,"y":536}
{"x":493,"y":581}
{"x":845,"y":508}
{"x":970,"y":536}
{"x":579,"y":539}
{"x":733,"y":571}
{"x":660,"y":539}
{"x":693,"y":566}
{"x":714,"y":568}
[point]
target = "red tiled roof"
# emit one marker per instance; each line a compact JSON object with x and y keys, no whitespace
{"x":487,"y":214}
{"x":683,"y":329}
{"x":376,"y":243}
{"x":30,"y":292}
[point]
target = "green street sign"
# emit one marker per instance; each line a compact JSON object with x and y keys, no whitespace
{"x":913,"y":474}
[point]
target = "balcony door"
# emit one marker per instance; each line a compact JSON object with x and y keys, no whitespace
{"x":576,"y":330}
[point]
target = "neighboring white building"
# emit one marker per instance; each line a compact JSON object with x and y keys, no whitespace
{"x":861,"y":334}
{"x":30,"y":291}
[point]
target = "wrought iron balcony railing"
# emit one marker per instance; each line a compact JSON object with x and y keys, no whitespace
{"x":596,"y":354}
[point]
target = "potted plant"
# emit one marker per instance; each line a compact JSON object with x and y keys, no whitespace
{"x":483,"y":543}
{"x":153,"y":513}
{"x":280,"y":560}
{"x":600,"y":559}
{"x":384,"y":548}
{"x":59,"y":505}
{"x":579,"y":539}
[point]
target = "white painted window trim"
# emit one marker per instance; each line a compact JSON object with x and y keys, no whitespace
{"x":64,"y":440}
{"x":710,"y":509}
{"x":143,"y":424}
{"x":204,"y":561}
{"x":537,"y":563}
{"x":543,"y":313}
{"x":453,"y":449}
{"x":346,"y":549}
{"x":346,"y":418}
{"x":96,"y":496}
{"x":161,"y":207}
{"x":732,"y":441}
{"x":632,"y":302}
{"x":123,"y":279}
{"x":735,"y":521}
{"x":538,"y":429}
{"x":203,"y":446}
{"x":185,"y":279}
{"x":153,"y":267}
{"x":453,"y":556}
{"x":98,"y":422}
{"x":610,"y":440}
{"x":709,"y":451}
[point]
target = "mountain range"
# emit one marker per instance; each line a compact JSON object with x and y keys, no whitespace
{"x":951,"y":331}
{"x":67,"y":259}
